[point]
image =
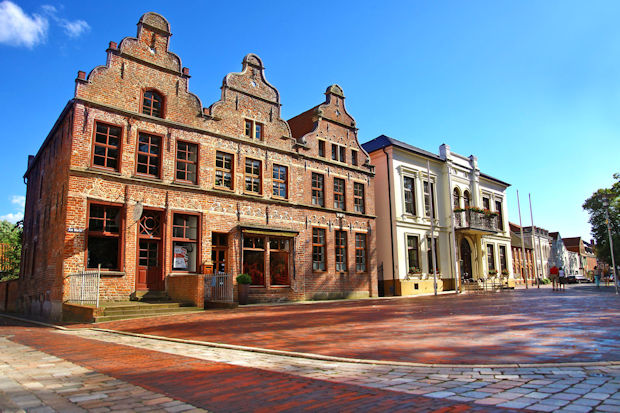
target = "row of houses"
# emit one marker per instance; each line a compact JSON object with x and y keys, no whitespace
{"x":141,"y":181}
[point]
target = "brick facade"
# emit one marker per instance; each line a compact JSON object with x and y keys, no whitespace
{"x":68,"y":189}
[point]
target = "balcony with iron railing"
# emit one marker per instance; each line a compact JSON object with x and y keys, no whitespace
{"x":476,"y":220}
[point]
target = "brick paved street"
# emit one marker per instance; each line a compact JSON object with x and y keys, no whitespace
{"x":520,"y":326}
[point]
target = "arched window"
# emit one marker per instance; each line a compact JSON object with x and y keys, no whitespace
{"x":456,"y":195}
{"x":153,"y":104}
{"x":466,"y":199}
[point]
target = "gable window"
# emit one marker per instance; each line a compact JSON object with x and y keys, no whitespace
{"x":280,"y":180}
{"x":253,"y":176}
{"x":413,"y":254}
{"x":500,"y":218}
{"x":187,"y":158}
{"x":360,"y":252}
{"x":341,"y":251}
{"x":354,"y":157}
{"x":223,"y":170}
{"x":338,"y":153}
{"x":358,"y":197}
{"x":318,"y":189}
{"x":339,"y":193}
{"x":253,"y":130}
{"x":409,"y":189}
{"x":219,"y":245}
{"x":107,"y":143}
{"x":152,"y":104}
{"x":490,"y":257}
{"x":184,"y":242}
{"x":429,"y":200}
{"x":429,"y":254}
{"x":103,"y":236}
{"x":334,"y":152}
{"x":149,"y":154}
{"x":318,"y":249}
{"x":322,"y":149}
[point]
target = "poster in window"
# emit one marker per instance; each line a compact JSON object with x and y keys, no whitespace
{"x":181,"y":258}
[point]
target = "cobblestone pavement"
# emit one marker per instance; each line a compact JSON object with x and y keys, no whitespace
{"x":581,"y":324}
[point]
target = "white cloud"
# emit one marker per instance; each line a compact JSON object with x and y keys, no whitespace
{"x":19,"y":200}
{"x":19,"y":29}
{"x":74,"y":28}
{"x":12,"y":217}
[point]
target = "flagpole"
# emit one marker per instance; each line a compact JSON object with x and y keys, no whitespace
{"x":522,"y":243}
{"x":432,"y":205}
{"x":534,"y":243}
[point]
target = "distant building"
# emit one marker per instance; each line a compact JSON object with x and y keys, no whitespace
{"x":586,"y":260}
{"x":522,"y":256}
{"x":558,"y":256}
{"x":540,"y":243}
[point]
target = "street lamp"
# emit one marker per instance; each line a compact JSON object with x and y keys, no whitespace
{"x":611,"y":244}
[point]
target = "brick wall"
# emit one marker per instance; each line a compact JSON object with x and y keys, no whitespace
{"x":8,"y":295}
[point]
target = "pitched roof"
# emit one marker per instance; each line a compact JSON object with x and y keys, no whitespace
{"x":385,"y":141}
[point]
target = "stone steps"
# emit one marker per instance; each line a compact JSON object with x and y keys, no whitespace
{"x":122,"y":311}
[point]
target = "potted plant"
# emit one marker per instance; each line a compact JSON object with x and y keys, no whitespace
{"x":243,"y":287}
{"x":505,"y":272}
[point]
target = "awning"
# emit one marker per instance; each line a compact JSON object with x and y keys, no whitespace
{"x":259,"y":230}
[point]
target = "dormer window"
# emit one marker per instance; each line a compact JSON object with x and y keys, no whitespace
{"x":153,"y":104}
{"x":253,"y":130}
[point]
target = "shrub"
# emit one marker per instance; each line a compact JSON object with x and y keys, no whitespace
{"x":244,"y":279}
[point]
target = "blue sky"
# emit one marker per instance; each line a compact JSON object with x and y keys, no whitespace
{"x":532,"y":88}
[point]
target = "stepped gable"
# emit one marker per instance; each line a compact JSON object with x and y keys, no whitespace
{"x":142,"y":63}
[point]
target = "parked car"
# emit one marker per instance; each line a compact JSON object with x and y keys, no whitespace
{"x":581,"y":279}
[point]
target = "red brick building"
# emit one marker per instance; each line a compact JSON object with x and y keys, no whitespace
{"x":138,"y":177}
{"x":522,"y":265}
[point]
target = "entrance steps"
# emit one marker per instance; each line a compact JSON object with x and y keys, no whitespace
{"x":113,"y":311}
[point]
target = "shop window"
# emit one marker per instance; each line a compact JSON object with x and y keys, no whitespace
{"x":360,"y":253}
{"x":413,"y":254}
{"x":280,"y":181}
{"x":223,"y":170}
{"x":184,"y":242}
{"x":429,"y":254}
{"x":103,"y":238}
{"x":219,"y":245}
{"x":341,"y":251}
{"x":107,"y":144}
{"x":339,"y":201}
{"x":358,"y":197}
{"x":187,"y":160}
{"x":152,"y":104}
{"x":253,"y":176}
{"x":318,"y":189}
{"x":254,"y":259}
{"x":279,"y":261}
{"x":318,"y":249}
{"x":409,"y":190}
{"x":149,"y":155}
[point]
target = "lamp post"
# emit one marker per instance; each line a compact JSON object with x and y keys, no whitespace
{"x":611,"y":244}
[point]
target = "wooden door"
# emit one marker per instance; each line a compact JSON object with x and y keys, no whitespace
{"x":150,"y":275}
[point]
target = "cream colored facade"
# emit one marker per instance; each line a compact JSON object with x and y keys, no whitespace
{"x":405,"y":225}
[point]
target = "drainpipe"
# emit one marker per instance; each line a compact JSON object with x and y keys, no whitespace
{"x":389,"y":172}
{"x":457,"y":275}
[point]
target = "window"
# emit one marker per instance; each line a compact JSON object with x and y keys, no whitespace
{"x":500,"y":218}
{"x":334,"y":152}
{"x":318,"y":189}
{"x":409,"y":189}
{"x":279,"y":261}
{"x":184,"y":242}
{"x":354,"y":157}
{"x":254,"y":258}
{"x":187,"y":159}
{"x":358,"y":197}
{"x":343,"y":154}
{"x":149,"y":154}
{"x":219,"y":245}
{"x":107,"y":145}
{"x":253,"y":129}
{"x":152,"y":104}
{"x":280,"y":180}
{"x":413,"y":254}
{"x":318,"y":249}
{"x":456,"y":198}
{"x":429,"y":200}
{"x":360,"y":252}
{"x":341,"y":251}
{"x":490,"y":257}
{"x":339,"y":193}
{"x":253,"y":176}
{"x":486,"y":204}
{"x":103,"y":236}
{"x":223,"y":170}
{"x":338,"y":153}
{"x":466,"y":199}
{"x":322,"y":149}
{"x":502,"y":258}
{"x":429,"y":254}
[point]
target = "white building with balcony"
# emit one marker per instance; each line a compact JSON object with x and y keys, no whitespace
{"x":423,"y":198}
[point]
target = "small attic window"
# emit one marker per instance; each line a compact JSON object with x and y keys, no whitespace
{"x":152,"y":104}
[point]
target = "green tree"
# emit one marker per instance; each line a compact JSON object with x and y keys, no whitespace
{"x":11,"y":236}
{"x":596,"y":209}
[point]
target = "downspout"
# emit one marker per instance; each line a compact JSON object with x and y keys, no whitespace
{"x":388,"y":171}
